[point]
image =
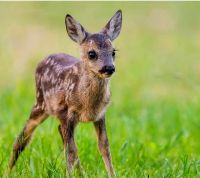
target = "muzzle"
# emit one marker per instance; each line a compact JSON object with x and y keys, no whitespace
{"x":109,"y":70}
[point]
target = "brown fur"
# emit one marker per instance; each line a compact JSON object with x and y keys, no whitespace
{"x":74,"y":91}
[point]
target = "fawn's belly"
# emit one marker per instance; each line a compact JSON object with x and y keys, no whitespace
{"x":56,"y":103}
{"x":92,"y":115}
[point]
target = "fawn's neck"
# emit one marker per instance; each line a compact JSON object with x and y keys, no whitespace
{"x":93,"y":86}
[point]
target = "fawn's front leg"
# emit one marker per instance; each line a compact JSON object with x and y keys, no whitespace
{"x":103,"y":144}
{"x":66,"y":130}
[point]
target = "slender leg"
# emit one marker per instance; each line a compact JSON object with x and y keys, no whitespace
{"x":104,"y":145}
{"x":37,"y":116}
{"x":70,"y":150}
{"x":59,"y":129}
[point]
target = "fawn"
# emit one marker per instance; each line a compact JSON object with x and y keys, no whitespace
{"x":75,"y":91}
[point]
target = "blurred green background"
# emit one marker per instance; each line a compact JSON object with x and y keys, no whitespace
{"x":153,"y":122}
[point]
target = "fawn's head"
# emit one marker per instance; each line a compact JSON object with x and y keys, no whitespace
{"x":97,"y":51}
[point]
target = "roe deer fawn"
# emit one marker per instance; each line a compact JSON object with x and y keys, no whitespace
{"x":75,"y":91}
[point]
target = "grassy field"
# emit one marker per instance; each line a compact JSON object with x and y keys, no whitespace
{"x":153,"y":122}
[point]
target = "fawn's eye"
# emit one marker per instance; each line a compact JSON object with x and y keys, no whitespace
{"x":113,"y":53}
{"x":92,"y":55}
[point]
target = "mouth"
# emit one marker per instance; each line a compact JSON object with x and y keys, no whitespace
{"x":106,"y":75}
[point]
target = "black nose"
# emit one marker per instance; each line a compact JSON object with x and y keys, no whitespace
{"x":108,"y":69}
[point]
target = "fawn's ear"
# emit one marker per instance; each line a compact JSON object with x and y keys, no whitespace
{"x":74,"y":29}
{"x":113,"y":27}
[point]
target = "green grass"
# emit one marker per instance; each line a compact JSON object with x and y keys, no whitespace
{"x":153,"y":122}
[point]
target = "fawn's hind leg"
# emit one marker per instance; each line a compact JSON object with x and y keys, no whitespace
{"x":37,"y":116}
{"x":60,"y":131}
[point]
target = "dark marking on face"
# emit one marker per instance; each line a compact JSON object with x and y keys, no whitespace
{"x":101,"y":40}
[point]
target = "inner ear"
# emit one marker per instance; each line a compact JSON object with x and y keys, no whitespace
{"x":113,"y":27}
{"x":74,"y":29}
